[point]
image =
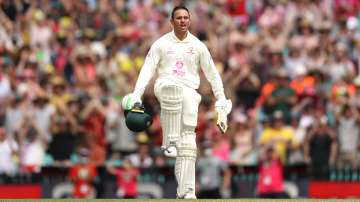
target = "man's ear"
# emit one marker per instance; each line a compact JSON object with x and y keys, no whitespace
{"x":172,"y":22}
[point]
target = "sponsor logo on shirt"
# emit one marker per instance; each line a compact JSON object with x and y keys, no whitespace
{"x":170,"y":51}
{"x":178,"y":69}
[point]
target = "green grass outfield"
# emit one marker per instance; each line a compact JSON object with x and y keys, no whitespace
{"x":174,"y":200}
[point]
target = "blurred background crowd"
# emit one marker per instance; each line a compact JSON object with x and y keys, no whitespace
{"x":291,"y":69}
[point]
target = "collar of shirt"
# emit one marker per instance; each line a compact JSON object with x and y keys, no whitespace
{"x":186,"y":40}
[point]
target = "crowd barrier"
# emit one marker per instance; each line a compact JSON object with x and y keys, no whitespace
{"x":53,"y":182}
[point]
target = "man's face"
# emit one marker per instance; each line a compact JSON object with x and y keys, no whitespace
{"x":278,"y":123}
{"x":181,"y":20}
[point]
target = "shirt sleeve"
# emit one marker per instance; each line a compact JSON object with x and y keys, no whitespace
{"x":148,"y":69}
{"x":211,"y":73}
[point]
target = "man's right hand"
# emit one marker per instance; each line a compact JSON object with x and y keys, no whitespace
{"x":223,"y":108}
{"x":129,"y":100}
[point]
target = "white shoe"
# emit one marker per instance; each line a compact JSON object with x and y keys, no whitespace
{"x":189,"y":196}
{"x":170,"y":151}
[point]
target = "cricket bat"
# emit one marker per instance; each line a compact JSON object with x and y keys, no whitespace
{"x":222,"y":121}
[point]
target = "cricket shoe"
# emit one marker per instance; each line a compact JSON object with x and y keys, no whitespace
{"x":169,"y":151}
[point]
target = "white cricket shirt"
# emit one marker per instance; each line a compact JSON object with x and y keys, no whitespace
{"x":179,"y":61}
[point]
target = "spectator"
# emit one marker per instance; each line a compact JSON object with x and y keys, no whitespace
{"x":270,"y":183}
{"x":5,"y":91}
{"x":93,"y":118}
{"x":247,"y":85}
{"x":348,"y":135}
{"x":97,"y":153}
{"x":320,"y":148}
{"x":83,"y":174}
{"x":295,"y":62}
{"x":282,"y":98}
{"x":126,"y":179}
{"x":296,"y":153}
{"x":118,"y":137}
{"x":220,"y":144}
{"x":32,"y":146}
{"x":278,"y":136}
{"x":43,"y":112}
{"x":142,"y":158}
{"x":211,"y":169}
{"x":9,"y":149}
{"x":15,"y":113}
{"x":340,"y":65}
{"x":341,"y":91}
{"x":60,"y":96}
{"x":62,"y":144}
{"x":243,"y":142}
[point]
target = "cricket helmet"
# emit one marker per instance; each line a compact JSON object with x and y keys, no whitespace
{"x":137,"y":119}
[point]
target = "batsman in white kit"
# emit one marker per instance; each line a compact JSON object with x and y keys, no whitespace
{"x":177,"y":57}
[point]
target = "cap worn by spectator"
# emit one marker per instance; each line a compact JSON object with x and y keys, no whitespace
{"x":282,"y":74}
{"x":41,"y":96}
{"x":58,"y":81}
{"x":142,"y":138}
{"x":278,"y":115}
{"x":356,"y":81}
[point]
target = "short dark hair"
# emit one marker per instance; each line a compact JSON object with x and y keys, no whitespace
{"x":178,"y":8}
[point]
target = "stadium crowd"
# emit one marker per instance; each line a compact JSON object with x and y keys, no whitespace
{"x":291,"y":69}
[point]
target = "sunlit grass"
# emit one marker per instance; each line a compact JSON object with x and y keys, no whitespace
{"x":173,"y":200}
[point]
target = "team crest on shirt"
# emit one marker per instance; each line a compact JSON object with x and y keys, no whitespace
{"x":191,"y":51}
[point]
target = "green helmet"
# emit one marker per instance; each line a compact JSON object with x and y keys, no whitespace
{"x":136,"y":119}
